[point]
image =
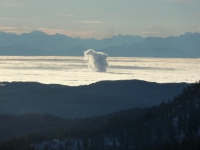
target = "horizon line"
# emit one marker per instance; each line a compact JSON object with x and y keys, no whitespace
{"x":17,"y":33}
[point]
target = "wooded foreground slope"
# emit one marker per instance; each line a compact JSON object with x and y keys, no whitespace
{"x":171,"y":125}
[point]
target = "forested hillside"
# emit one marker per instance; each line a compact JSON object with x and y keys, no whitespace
{"x":83,"y":101}
{"x":171,"y":125}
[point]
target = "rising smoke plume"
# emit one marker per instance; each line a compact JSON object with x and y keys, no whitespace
{"x":96,"y":60}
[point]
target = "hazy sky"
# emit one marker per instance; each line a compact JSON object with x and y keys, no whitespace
{"x":101,"y":18}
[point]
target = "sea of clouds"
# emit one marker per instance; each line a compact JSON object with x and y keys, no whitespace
{"x":76,"y":71}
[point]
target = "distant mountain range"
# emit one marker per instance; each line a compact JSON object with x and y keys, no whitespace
{"x":37,"y":43}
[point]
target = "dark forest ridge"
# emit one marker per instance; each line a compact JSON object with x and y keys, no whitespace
{"x":37,"y":43}
{"x":83,"y":101}
{"x":169,"y":125}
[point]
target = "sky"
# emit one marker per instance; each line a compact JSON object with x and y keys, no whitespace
{"x":101,"y":18}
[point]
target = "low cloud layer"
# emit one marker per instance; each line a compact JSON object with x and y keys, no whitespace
{"x":96,"y":60}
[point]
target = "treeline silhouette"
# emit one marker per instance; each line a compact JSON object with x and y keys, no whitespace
{"x":99,"y":98}
{"x":170,"y":125}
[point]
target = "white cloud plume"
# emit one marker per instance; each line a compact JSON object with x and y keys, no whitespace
{"x":96,"y":60}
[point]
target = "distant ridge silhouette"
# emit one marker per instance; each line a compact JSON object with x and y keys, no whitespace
{"x":83,"y":101}
{"x":37,"y":43}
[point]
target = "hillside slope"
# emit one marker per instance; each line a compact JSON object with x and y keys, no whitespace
{"x":171,"y":125}
{"x":84,"y":101}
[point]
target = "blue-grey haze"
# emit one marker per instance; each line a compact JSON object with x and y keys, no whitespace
{"x":37,"y":43}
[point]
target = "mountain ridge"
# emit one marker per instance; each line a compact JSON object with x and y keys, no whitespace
{"x":38,"y":43}
{"x":169,"y":125}
{"x":70,"y":102}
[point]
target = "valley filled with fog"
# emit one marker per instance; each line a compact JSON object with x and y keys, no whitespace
{"x":75,"y":71}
